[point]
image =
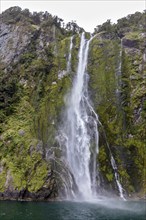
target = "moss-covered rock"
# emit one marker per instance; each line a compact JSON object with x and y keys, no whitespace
{"x":34,"y":81}
{"x":118,"y":92}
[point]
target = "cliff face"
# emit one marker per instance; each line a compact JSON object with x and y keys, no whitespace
{"x":34,"y":81}
{"x":117,"y":82}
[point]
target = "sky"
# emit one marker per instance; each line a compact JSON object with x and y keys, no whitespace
{"x":87,"y":14}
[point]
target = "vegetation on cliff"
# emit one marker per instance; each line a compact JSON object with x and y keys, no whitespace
{"x":117,"y":81}
{"x":34,"y":81}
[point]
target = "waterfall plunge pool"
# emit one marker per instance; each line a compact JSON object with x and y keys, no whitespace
{"x":67,"y":210}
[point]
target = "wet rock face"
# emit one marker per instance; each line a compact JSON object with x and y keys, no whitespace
{"x":45,"y":193}
{"x":36,"y":55}
{"x":130,"y":43}
{"x":25,"y":195}
{"x":13,"y":40}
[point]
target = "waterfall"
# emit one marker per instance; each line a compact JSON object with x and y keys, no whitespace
{"x":114,"y":166}
{"x":112,"y":160}
{"x":69,"y":57}
{"x":80,"y":130}
{"x":78,"y":152}
{"x":118,"y":76}
{"x":79,"y":134}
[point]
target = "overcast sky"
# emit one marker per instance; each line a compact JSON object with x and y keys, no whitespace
{"x":87,"y":14}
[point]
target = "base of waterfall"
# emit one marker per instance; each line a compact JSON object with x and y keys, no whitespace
{"x":44,"y":197}
{"x":65,"y":210}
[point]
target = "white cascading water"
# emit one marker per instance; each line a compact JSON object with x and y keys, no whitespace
{"x":120,"y":188}
{"x":113,"y":163}
{"x":118,"y":75}
{"x":77,"y":129}
{"x":79,"y":134}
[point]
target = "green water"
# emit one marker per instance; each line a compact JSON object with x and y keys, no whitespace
{"x":105,"y":210}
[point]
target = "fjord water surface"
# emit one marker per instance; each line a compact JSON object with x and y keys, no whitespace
{"x":114,"y":210}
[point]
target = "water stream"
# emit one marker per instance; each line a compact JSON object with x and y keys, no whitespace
{"x":77,"y":129}
{"x":80,"y":133}
{"x":118,"y":77}
{"x":112,"y":160}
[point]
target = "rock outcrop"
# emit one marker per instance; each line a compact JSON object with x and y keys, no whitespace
{"x":33,"y":83}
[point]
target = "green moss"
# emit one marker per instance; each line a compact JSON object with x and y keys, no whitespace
{"x":2,"y":180}
{"x":17,"y":141}
{"x":104,"y":164}
{"x":102,"y":154}
{"x":109,"y":176}
{"x":34,"y":101}
{"x":74,"y":58}
{"x":38,"y":177}
{"x":118,"y":113}
{"x":35,"y":119}
{"x":133,"y":35}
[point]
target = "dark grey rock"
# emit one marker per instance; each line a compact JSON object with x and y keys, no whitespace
{"x":21,"y":132}
{"x":130,"y":43}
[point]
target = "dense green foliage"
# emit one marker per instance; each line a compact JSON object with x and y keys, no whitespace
{"x":32,"y":91}
{"x":131,"y":23}
{"x":117,"y":82}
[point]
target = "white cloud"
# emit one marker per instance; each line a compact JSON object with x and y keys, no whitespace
{"x":87,"y":14}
